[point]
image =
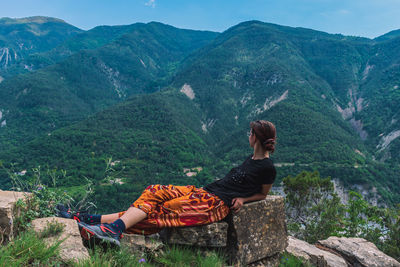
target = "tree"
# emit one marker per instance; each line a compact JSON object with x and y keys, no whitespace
{"x":313,"y":208}
{"x":314,"y":212}
{"x":378,"y":225}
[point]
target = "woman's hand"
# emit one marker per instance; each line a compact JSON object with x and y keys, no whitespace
{"x":237,"y":203}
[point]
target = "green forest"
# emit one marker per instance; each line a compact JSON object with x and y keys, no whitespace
{"x":109,"y":102}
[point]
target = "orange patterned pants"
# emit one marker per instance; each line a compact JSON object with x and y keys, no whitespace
{"x":176,"y":206}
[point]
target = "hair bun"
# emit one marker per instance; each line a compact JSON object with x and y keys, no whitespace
{"x":269,"y":144}
{"x":270,"y":141}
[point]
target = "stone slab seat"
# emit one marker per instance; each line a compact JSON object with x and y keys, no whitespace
{"x":8,"y":212}
{"x":258,"y":231}
{"x":212,"y":235}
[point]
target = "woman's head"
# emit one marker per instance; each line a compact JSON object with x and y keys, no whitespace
{"x":265,"y":133}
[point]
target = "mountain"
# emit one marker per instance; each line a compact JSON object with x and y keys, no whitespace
{"x":139,"y":61}
{"x":20,"y":38}
{"x":305,"y":81}
{"x":149,"y":138}
{"x":389,"y":35}
{"x":84,"y":40}
{"x":380,"y":98}
{"x":330,"y":96}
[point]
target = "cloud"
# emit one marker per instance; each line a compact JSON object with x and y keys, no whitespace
{"x":344,"y":12}
{"x":335,"y":13}
{"x":151,"y":3}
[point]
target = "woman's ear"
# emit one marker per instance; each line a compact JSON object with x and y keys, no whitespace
{"x":256,"y":139}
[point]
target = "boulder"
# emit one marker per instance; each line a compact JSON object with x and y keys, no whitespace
{"x":257,"y":231}
{"x":359,"y":252}
{"x":210,"y":235}
{"x":140,"y":244}
{"x":8,"y":212}
{"x":314,"y":255}
{"x":72,"y":248}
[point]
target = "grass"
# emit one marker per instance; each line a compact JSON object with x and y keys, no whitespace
{"x":288,"y":260}
{"x":174,"y":256}
{"x":113,"y":257}
{"x":183,"y":256}
{"x":52,"y":229}
{"x":29,"y":250}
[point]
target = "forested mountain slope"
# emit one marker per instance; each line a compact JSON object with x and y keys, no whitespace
{"x":330,"y":96}
{"x":84,"y":40}
{"x":20,"y":38}
{"x":307,"y":82}
{"x":140,"y":61}
{"x":380,"y":98}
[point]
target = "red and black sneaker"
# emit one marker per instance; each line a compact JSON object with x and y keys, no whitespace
{"x":101,"y":232}
{"x":64,"y":212}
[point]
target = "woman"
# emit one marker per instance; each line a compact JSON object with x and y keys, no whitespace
{"x":162,"y":206}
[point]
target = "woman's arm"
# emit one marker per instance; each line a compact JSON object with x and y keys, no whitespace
{"x":238,"y":202}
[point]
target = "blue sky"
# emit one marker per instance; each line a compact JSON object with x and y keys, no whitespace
{"x":367,"y":18}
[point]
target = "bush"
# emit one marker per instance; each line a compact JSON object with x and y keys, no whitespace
{"x":42,"y":200}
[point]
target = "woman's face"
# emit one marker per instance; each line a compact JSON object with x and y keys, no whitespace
{"x":252,"y":138}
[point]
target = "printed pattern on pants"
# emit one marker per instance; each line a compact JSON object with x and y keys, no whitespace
{"x":176,"y":206}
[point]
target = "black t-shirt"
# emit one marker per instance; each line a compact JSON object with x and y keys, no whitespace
{"x":244,"y":180}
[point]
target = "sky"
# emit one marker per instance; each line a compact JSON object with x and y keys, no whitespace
{"x":366,"y":18}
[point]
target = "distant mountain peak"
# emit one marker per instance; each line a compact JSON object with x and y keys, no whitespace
{"x":34,"y":19}
{"x":388,"y":36}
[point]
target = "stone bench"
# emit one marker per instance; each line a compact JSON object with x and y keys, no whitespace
{"x":257,"y":232}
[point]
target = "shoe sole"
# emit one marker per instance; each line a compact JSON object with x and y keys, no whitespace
{"x":88,"y":235}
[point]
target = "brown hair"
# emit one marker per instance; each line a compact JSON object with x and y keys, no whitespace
{"x":265,"y":132}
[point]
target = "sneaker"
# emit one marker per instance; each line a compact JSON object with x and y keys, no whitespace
{"x":101,"y":232}
{"x":64,"y":212}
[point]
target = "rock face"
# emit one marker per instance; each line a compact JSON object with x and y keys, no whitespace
{"x":72,"y":247}
{"x":211,"y":235}
{"x":143,"y":244}
{"x":256,"y":234}
{"x":8,"y":212}
{"x":257,"y":231}
{"x":314,"y":255}
{"x":359,"y":252}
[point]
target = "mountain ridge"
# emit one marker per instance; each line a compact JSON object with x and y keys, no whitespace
{"x":313,"y":86}
{"x":33,"y":19}
{"x":137,"y":61}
